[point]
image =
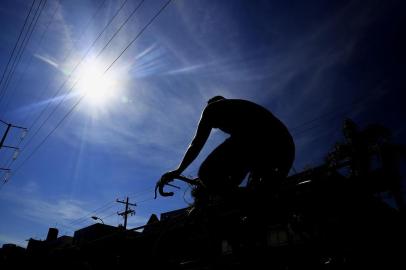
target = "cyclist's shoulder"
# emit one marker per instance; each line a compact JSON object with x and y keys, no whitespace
{"x":230,"y":106}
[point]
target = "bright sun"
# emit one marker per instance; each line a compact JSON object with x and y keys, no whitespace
{"x":99,"y":88}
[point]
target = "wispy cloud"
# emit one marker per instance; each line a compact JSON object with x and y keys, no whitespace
{"x":186,"y":69}
{"x":68,"y":213}
{"x":45,"y":211}
{"x":48,"y":60}
{"x":63,"y":209}
{"x":30,"y":188}
{"x":61,"y":27}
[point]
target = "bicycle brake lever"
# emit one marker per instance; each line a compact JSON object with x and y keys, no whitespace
{"x":171,"y":185}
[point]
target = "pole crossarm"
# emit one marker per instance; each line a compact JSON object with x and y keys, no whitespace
{"x":9,"y":126}
{"x":19,"y":127}
{"x":7,"y":146}
{"x":125,"y":202}
{"x":127,"y":211}
{"x":130,"y":211}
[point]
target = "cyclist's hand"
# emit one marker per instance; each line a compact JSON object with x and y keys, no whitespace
{"x":168,"y":177}
{"x":165,"y":179}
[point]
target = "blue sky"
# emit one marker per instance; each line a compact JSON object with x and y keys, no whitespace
{"x":312,"y":63}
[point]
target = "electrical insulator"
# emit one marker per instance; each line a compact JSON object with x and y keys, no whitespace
{"x":23,"y":134}
{"x":16,"y":152}
{"x":6,"y":177}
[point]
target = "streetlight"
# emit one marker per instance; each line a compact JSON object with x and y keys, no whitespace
{"x":97,"y":218}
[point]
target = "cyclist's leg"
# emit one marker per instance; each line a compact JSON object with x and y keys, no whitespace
{"x":226,"y":167}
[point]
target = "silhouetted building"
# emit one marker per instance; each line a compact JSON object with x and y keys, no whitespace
{"x":52,"y":234}
{"x":11,"y":256}
{"x":94,"y":232}
{"x":173,"y":214}
{"x":152,"y":224}
{"x":39,"y":250}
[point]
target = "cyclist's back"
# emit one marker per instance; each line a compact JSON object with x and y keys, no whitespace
{"x":259,"y":144}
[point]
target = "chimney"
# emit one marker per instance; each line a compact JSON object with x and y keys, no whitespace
{"x":52,"y":234}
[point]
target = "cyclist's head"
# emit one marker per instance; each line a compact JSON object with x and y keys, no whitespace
{"x":214,"y":99}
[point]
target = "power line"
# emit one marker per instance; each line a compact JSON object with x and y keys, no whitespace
{"x":136,"y":37}
{"x":140,"y":33}
{"x":20,"y":52}
{"x":41,"y":40}
{"x":142,"y":192}
{"x":23,"y":46}
{"x":63,"y":84}
{"x":113,"y":214}
{"x":130,"y":45}
{"x":71,"y":50}
{"x":98,"y":211}
{"x":16,"y":44}
{"x":128,"y":211}
{"x":71,"y":73}
{"x":72,"y":226}
{"x":14,"y":157}
{"x":101,"y":209}
{"x":326,"y":115}
{"x":344,"y":109}
{"x":24,"y":43}
{"x":121,"y":26}
{"x":2,"y":141}
{"x":146,"y":200}
{"x":81,"y":98}
{"x":105,"y":207}
{"x":55,"y":108}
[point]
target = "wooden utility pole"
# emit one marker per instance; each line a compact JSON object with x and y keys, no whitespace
{"x":3,"y":138}
{"x":128,"y":211}
{"x":6,"y":132}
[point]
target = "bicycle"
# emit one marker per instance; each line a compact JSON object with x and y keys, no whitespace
{"x":317,"y":219}
{"x":234,"y":219}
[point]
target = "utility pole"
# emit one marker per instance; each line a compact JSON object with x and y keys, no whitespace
{"x":6,"y":132}
{"x":128,"y":211}
{"x":9,"y":126}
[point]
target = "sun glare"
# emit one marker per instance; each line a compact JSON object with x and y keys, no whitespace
{"x":99,"y":89}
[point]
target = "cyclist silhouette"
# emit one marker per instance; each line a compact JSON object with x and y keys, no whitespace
{"x":259,"y":144}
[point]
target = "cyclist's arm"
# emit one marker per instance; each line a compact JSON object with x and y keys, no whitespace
{"x":200,"y":138}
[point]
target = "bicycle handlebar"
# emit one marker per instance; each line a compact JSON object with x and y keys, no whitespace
{"x":161,"y":191}
{"x":161,"y":184}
